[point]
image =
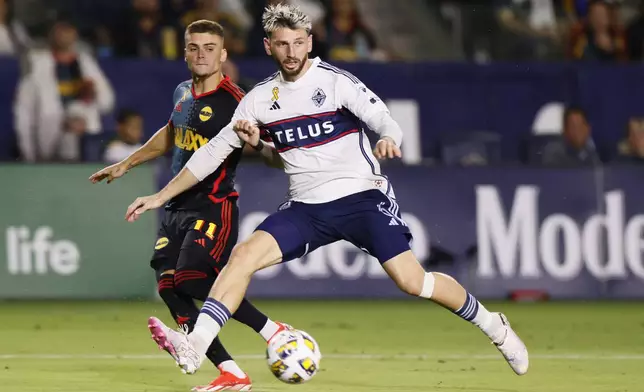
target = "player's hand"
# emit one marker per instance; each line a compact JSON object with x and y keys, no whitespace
{"x":247,"y":132}
{"x":142,"y":204}
{"x":386,"y":148}
{"x":111,"y":173}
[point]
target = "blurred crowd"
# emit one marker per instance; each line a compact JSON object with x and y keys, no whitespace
{"x":547,"y":30}
{"x":63,"y":94}
{"x":154,"y":28}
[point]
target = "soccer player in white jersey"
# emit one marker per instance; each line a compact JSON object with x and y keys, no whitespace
{"x":312,"y":112}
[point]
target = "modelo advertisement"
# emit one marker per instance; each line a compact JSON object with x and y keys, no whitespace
{"x":575,"y":233}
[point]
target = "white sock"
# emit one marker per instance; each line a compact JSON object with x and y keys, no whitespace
{"x":205,"y":331}
{"x":231,"y":366}
{"x":474,"y":312}
{"x":490,"y":324}
{"x":269,"y":329}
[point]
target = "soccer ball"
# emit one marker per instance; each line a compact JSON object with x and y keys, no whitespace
{"x":293,"y":356}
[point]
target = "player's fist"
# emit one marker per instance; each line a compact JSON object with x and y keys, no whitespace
{"x":111,"y":173}
{"x":142,"y":204}
{"x":247,"y":132}
{"x":386,"y":148}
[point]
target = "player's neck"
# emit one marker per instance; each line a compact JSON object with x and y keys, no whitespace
{"x":202,"y":85}
{"x":295,"y":78}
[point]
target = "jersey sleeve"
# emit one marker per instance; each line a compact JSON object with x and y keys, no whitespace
{"x":176,"y":97}
{"x":368,"y":107}
{"x":208,"y":158}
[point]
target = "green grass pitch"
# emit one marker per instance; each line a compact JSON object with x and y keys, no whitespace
{"x":367,"y":346}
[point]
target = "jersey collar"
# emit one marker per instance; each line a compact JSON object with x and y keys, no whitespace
{"x":195,"y":96}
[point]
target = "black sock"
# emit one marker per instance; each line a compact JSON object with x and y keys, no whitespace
{"x":185,"y":312}
{"x":199,"y":289}
{"x":248,"y":314}
{"x":217,"y":352}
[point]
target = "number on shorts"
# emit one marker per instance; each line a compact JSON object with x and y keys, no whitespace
{"x":211,"y":228}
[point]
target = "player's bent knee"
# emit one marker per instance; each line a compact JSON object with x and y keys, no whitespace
{"x":258,"y":252}
{"x":406,"y":272}
{"x":195,"y":288}
{"x":242,"y":258}
{"x":410,"y":285}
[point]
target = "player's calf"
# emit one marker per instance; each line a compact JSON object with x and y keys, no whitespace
{"x":193,"y":284}
{"x":259,"y":251}
{"x":405,"y":270}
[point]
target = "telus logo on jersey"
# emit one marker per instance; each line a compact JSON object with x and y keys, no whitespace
{"x":310,"y":131}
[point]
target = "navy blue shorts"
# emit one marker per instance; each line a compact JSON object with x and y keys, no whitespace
{"x":370,"y":220}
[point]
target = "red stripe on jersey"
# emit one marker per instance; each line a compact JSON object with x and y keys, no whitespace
{"x":197,"y":96}
{"x":299,"y":118}
{"x":215,"y":185}
{"x":226,"y":230}
{"x":236,"y":87}
{"x":217,"y":200}
{"x":223,"y":237}
{"x":234,"y":90}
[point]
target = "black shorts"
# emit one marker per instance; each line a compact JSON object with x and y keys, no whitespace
{"x":197,"y":240}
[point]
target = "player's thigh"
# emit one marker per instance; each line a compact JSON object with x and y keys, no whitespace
{"x":406,"y":271}
{"x":283,"y":236}
{"x":166,"y":247}
{"x":376,"y":226}
{"x":195,"y":272}
{"x":210,"y":235}
{"x":213,"y":229}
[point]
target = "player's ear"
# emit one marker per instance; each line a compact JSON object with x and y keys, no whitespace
{"x":267,"y":46}
{"x":224,"y":55}
{"x":309,"y":43}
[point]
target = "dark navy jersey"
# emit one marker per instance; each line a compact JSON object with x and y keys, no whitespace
{"x":195,"y":120}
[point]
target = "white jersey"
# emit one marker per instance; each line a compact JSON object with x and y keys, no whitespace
{"x":315,"y":124}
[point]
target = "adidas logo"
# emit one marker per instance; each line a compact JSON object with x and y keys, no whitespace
{"x":393,"y":222}
{"x":275,"y":106}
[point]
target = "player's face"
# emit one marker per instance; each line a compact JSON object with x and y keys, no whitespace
{"x":64,"y":36}
{"x":576,"y":130}
{"x":290,"y":49}
{"x":131,"y":130}
{"x":204,"y":53}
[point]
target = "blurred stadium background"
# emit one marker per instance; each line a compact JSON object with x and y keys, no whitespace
{"x":522,"y":177}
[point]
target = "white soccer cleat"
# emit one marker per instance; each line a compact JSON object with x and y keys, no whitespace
{"x":513,"y":349}
{"x":177,"y":345}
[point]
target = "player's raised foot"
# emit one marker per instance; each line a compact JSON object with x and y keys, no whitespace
{"x":226,"y":382}
{"x":159,"y":331}
{"x":282,"y":327}
{"x":177,"y":344}
{"x":513,"y":349}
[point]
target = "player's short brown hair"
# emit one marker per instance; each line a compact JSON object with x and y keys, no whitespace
{"x":205,"y":26}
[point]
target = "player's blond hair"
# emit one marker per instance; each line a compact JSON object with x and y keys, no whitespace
{"x":284,"y":16}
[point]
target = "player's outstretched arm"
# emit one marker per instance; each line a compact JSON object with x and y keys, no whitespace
{"x":180,"y":183}
{"x":250,"y":134}
{"x":203,"y":162}
{"x":158,"y":145}
{"x":366,"y":105}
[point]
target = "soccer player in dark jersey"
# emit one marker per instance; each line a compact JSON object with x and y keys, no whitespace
{"x":200,"y":226}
